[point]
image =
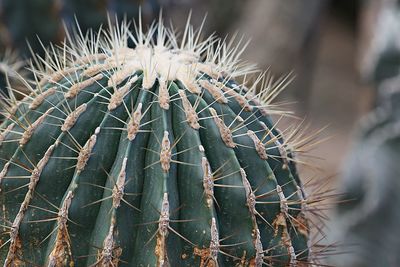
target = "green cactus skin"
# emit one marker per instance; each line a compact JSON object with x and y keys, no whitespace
{"x":152,"y":156}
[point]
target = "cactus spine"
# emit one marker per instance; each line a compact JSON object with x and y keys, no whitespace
{"x":152,"y":156}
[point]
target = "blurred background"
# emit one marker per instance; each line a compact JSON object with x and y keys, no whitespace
{"x":338,"y":50}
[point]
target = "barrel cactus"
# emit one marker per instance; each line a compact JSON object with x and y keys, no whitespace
{"x":22,"y":20}
{"x":152,"y":156}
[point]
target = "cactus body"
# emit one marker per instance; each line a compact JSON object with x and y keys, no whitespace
{"x":152,"y":156}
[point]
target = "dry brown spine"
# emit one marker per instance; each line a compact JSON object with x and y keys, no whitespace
{"x":208,"y":182}
{"x":163,"y":95}
{"x":108,"y":245}
{"x":192,"y":86}
{"x":258,"y":145}
{"x":281,"y":222}
{"x":251,"y":204}
{"x":165,"y":154}
{"x":283,"y":201}
{"x":70,"y":120}
{"x":214,"y":242}
{"x":118,"y":96}
{"x":209,"y":256}
{"x":214,"y":91}
{"x":38,"y":100}
{"x":226,"y":133}
{"x":190,"y":112}
{"x":76,"y":88}
{"x":242,"y":101}
{"x":259,"y":259}
{"x":250,"y":197}
{"x":94,"y":70}
{"x":163,"y":225}
{"x":61,"y":255}
{"x":26,"y":136}
{"x":86,"y":150}
{"x":134,"y":123}
{"x":14,"y":234}
{"x":278,"y":144}
{"x":118,"y":190}
{"x":109,"y":255}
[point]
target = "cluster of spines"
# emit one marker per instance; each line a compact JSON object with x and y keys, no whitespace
{"x":226,"y":115}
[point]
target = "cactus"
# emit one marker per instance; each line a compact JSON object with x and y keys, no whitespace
{"x":153,"y":156}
